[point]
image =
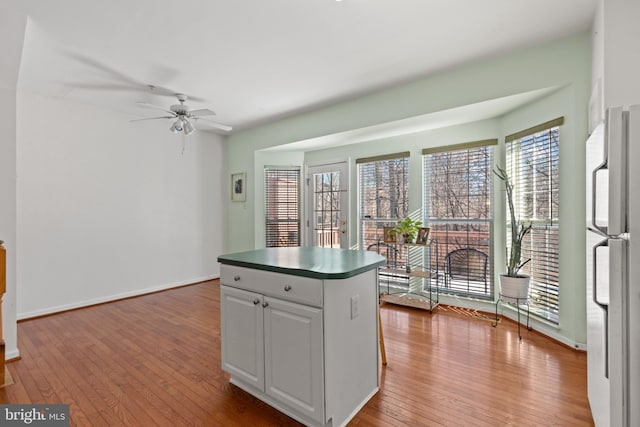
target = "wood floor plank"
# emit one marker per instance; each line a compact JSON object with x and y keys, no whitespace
{"x":155,"y":360}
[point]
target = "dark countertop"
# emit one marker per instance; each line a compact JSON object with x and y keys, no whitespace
{"x":307,"y":261}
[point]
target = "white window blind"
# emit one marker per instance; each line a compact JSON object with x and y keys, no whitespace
{"x":383,"y":201}
{"x":533,"y":165}
{"x":282,"y":205}
{"x":457,"y":207}
{"x":384,"y":195}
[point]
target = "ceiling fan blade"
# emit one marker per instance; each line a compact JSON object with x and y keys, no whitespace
{"x":153,"y":118}
{"x":128,"y":87}
{"x":125,"y":81}
{"x":202,"y":112}
{"x":98,"y":86}
{"x":155,"y":107}
{"x":215,"y":124}
{"x":101,"y":67}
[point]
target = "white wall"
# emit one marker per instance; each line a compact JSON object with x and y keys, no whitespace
{"x":12,"y":29}
{"x":8,"y":215}
{"x":108,"y":208}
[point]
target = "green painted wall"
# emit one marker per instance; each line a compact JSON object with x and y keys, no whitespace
{"x":565,"y":64}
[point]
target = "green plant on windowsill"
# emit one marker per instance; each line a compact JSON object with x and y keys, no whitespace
{"x":408,"y":229}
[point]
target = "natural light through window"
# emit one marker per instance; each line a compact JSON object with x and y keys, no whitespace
{"x":533,"y":162}
{"x":282,"y":206}
{"x":457,"y":207}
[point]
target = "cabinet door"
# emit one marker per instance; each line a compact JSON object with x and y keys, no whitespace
{"x":242,"y":335}
{"x":294,"y":368}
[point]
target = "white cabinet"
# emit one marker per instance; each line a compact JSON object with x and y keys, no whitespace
{"x":243,"y":335}
{"x":308,"y":347}
{"x":293,"y":356}
{"x":276,"y":347}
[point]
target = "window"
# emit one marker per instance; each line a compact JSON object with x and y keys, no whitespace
{"x":457,"y":207}
{"x":384,"y":199}
{"x":533,"y":165}
{"x":282,"y":206}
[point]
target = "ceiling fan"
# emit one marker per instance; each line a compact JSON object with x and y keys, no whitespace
{"x":183,"y":116}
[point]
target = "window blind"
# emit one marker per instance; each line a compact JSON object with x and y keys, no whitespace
{"x":282,"y":206}
{"x":383,"y":197}
{"x":533,"y":162}
{"x":457,"y":207}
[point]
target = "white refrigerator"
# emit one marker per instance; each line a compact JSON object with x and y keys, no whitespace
{"x":613,"y":269}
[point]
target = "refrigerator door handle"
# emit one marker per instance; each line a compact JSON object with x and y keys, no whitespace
{"x":604,"y":307}
{"x":603,"y":243}
{"x":594,"y":193}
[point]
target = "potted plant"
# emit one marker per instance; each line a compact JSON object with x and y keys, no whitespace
{"x":407,"y":228}
{"x":514,"y":287}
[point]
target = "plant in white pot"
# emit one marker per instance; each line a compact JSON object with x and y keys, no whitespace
{"x":514,"y":287}
{"x":407,"y":229}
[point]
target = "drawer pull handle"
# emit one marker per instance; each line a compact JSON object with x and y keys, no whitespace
{"x":265,"y":304}
{"x":287,"y":288}
{"x":256,"y":301}
{"x":236,"y":278}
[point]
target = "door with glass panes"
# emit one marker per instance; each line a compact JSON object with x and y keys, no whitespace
{"x":328,"y":201}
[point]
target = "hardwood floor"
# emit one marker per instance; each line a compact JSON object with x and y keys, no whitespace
{"x":155,"y":360}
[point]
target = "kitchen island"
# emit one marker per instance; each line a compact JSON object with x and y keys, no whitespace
{"x":299,"y":329}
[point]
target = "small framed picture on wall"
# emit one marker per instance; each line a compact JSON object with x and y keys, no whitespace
{"x":239,"y":187}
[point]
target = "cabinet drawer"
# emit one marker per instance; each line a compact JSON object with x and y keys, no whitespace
{"x":291,"y":288}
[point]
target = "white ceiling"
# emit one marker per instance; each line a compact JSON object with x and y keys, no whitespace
{"x":253,"y":61}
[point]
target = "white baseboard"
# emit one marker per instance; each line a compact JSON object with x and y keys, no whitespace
{"x":110,"y":298}
{"x":12,"y":354}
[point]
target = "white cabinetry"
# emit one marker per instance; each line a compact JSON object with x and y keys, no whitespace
{"x":297,"y":344}
{"x":243,"y":335}
{"x":294,"y":357}
{"x":275,"y":346}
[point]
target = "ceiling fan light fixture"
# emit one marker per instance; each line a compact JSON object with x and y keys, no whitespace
{"x":176,"y":127}
{"x":188,"y":127}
